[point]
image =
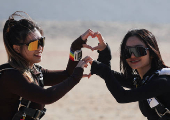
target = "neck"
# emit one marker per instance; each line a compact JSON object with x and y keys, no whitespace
{"x":143,"y":71}
{"x":31,"y":66}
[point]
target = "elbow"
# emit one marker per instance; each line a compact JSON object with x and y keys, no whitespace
{"x":48,"y":99}
{"x":121,"y":100}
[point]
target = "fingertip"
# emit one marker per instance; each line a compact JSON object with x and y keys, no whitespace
{"x":83,"y":45}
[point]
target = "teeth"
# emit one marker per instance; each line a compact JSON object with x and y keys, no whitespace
{"x":135,"y":61}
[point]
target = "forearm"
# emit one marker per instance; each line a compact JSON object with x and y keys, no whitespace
{"x":125,"y":96}
{"x":53,"y":77}
{"x":22,"y":87}
{"x":100,"y":69}
{"x":58,"y":91}
{"x":76,"y":45}
{"x":105,"y":56}
{"x":104,"y":71}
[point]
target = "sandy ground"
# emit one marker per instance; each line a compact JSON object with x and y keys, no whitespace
{"x":90,"y":99}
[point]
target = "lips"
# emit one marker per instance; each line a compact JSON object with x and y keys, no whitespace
{"x":38,"y":54}
{"x":134,"y":60}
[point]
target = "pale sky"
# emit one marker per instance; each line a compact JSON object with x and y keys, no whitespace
{"x":150,"y":11}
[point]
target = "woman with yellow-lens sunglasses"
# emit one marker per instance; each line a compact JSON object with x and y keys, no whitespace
{"x":22,"y":81}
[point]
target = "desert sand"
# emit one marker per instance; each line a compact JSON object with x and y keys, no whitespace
{"x":90,"y":99}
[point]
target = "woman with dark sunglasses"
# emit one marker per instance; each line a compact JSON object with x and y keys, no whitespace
{"x":23,"y":95}
{"x":141,"y":66}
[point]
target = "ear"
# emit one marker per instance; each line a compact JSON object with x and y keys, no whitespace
{"x":16,"y":48}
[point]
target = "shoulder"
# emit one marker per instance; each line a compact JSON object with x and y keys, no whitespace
{"x":165,"y":78}
{"x":10,"y":73}
{"x":7,"y":68}
{"x":5,"y":65}
{"x":162,"y":80}
{"x":11,"y":78}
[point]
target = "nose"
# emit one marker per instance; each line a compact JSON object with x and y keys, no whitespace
{"x":40,"y":47}
{"x":132,"y":55}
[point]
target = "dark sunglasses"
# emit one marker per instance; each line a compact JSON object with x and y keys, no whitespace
{"x":138,"y":51}
{"x":34,"y":45}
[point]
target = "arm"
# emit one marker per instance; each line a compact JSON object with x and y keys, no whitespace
{"x":14,"y":82}
{"x":153,"y":88}
{"x":96,"y":65}
{"x":105,"y":56}
{"x":103,"y":49}
{"x":52,"y":77}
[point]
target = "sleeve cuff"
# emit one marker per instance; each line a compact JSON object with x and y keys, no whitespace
{"x":94,"y":67}
{"x":78,"y":44}
{"x":105,"y":55}
{"x":107,"y":49}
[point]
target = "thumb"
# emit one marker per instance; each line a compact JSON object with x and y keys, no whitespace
{"x":87,"y":46}
{"x":96,"y":48}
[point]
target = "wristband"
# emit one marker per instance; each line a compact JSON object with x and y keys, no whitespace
{"x":76,"y":55}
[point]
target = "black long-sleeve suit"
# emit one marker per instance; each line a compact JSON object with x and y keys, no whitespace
{"x":158,"y":86}
{"x":14,"y":84}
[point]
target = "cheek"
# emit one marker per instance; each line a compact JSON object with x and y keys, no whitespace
{"x":147,"y":60}
{"x":128,"y":63}
{"x":25,"y":53}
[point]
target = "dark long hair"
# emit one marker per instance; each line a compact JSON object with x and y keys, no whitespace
{"x":149,"y":39}
{"x":16,"y":32}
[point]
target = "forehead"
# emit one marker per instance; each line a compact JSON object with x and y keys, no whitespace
{"x":133,"y":41}
{"x":33,"y":36}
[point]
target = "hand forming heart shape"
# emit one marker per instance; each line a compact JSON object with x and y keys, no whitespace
{"x":101,"y":46}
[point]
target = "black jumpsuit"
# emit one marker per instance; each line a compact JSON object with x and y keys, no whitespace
{"x":13,"y":85}
{"x":158,"y":86}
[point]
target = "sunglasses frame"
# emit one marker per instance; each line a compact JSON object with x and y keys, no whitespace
{"x":135,"y":51}
{"x":28,"y":44}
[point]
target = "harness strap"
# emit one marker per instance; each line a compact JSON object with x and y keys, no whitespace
{"x":33,"y":113}
{"x":24,"y":109}
{"x":160,"y":109}
{"x":154,"y":103}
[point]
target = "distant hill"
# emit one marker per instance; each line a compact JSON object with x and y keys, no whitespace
{"x":113,"y":30}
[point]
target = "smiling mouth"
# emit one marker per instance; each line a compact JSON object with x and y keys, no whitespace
{"x":38,"y":54}
{"x":134,"y":61}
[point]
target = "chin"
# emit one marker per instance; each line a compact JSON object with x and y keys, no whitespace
{"x":135,"y":67}
{"x":37,"y":61}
